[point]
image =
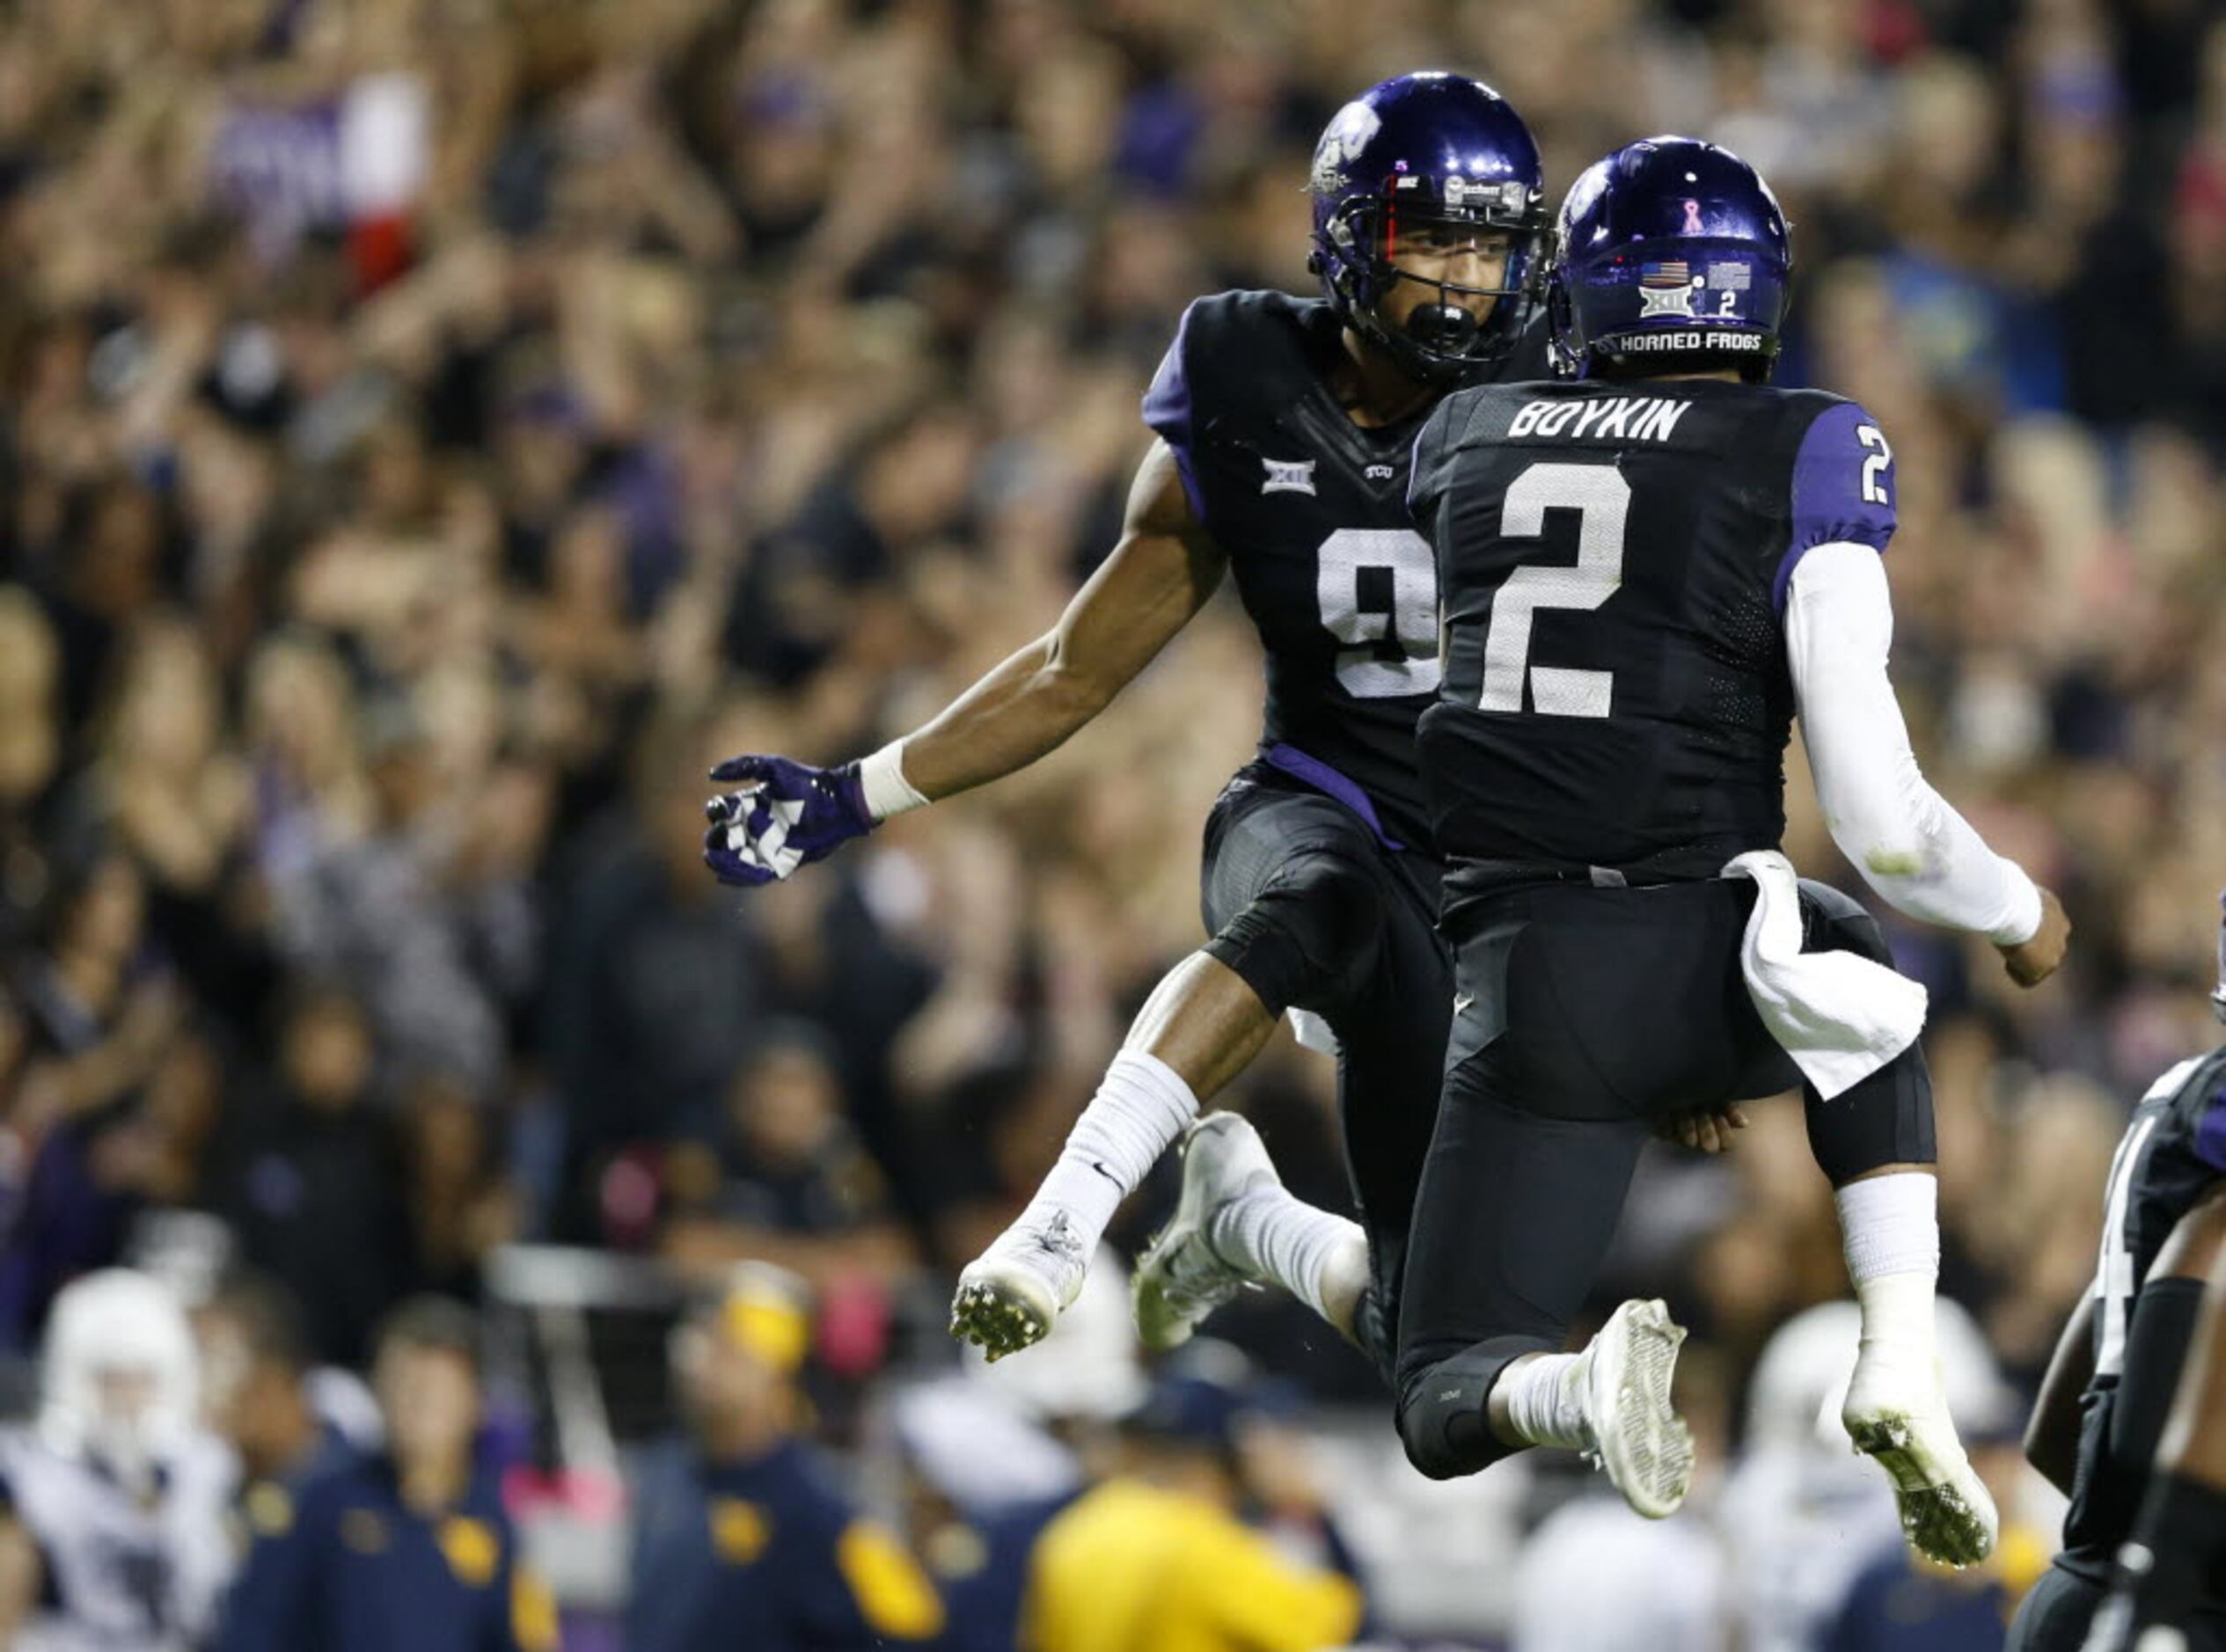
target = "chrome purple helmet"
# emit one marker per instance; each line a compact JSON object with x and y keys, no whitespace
{"x":1673,"y":255}
{"x":1429,"y":146}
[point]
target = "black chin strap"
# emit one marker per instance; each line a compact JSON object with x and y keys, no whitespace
{"x":1445,"y":327}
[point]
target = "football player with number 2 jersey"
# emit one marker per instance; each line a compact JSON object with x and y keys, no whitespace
{"x":2108,"y":1404}
{"x":1283,"y":433}
{"x":1647,"y":571}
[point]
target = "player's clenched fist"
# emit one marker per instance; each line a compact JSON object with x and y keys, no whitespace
{"x":2031,"y":962}
{"x":785,"y":815}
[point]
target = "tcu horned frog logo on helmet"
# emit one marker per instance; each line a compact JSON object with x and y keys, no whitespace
{"x":1343,"y":142}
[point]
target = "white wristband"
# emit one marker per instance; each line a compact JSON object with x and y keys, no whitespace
{"x":880,"y":777}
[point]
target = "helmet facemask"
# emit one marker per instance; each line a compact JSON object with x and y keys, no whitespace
{"x":1444,"y":340}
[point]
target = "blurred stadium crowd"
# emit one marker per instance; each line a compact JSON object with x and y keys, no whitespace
{"x":435,"y":430}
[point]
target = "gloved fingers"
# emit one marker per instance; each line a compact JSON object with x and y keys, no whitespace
{"x":749,"y":766}
{"x":769,"y":834}
{"x":773,"y":777}
{"x":727,"y":851}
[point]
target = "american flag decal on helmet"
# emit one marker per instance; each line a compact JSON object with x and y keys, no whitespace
{"x":1670,"y":272}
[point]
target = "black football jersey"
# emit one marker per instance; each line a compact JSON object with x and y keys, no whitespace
{"x":1613,"y":561}
{"x":2173,"y":1153}
{"x":1311,"y":510}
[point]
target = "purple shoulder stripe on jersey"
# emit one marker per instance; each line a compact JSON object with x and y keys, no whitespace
{"x":1167,"y":410}
{"x":1843,"y":489}
{"x":1323,"y":778}
{"x":2210,"y":1131}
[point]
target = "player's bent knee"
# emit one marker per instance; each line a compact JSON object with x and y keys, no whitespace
{"x":1444,"y":1422}
{"x":1423,"y":1431}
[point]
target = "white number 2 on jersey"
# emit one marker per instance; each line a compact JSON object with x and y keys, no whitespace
{"x":1602,"y":499}
{"x":1874,"y":467}
{"x":1410,"y":624}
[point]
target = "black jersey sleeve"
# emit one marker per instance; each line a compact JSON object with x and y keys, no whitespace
{"x":1843,"y":489}
{"x":1171,"y":414}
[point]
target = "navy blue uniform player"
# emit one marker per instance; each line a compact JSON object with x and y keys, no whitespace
{"x":2103,"y":1407}
{"x":1285,"y":428}
{"x":1646,"y":574}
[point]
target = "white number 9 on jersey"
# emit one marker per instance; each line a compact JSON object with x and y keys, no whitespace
{"x":1378,"y":589}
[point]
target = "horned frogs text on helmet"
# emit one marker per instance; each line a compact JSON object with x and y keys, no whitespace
{"x":1429,"y":146}
{"x":119,"y":1376}
{"x":1673,"y":257}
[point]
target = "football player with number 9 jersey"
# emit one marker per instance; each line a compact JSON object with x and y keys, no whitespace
{"x":1646,"y":574}
{"x":1283,"y":428}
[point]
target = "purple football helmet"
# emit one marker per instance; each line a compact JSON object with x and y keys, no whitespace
{"x":1429,"y":146}
{"x":1673,"y":256}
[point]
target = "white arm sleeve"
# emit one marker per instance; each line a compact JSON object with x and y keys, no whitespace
{"x":1904,"y":838}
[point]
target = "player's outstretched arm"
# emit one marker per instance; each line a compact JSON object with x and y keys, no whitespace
{"x":1161,"y":573}
{"x":787,"y":814}
{"x":1908,"y":842}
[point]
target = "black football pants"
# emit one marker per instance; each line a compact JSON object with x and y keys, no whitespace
{"x":1584,"y":1017}
{"x":1312,"y":910}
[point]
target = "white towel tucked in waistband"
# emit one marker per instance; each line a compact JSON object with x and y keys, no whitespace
{"x":1841,"y":1017}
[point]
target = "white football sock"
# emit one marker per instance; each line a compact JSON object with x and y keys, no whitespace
{"x":1890,"y":1229}
{"x":1139,"y":1109}
{"x":1319,"y":1257}
{"x":1545,"y":1399}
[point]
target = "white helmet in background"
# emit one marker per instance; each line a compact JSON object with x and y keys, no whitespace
{"x":1802,"y":1377}
{"x":1804,"y":1366}
{"x":119,"y":1378}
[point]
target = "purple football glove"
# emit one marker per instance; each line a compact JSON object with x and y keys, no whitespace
{"x":784,"y":815}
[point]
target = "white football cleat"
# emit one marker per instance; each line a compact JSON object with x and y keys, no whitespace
{"x":1900,"y":1418}
{"x":1010,"y":1296}
{"x":1179,"y":1280}
{"x":1636,"y":1436}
